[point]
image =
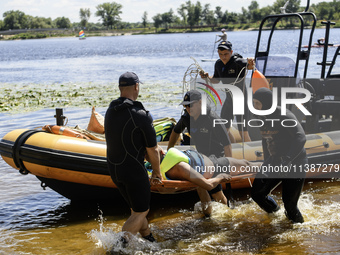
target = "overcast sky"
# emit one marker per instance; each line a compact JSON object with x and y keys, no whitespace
{"x":132,"y":10}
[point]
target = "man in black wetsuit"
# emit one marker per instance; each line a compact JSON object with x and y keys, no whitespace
{"x":228,"y":68}
{"x":130,"y":137}
{"x":209,"y":140}
{"x":283,"y":147}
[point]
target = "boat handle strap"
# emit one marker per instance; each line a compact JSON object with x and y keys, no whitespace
{"x":19,"y":142}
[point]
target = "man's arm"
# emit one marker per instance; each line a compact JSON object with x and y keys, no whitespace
{"x":205,"y":75}
{"x":251,"y":63}
{"x":228,"y":151}
{"x":178,"y":129}
{"x":173,"y":139}
{"x":154,"y":159}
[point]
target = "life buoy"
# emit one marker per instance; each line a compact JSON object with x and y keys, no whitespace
{"x":258,"y":81}
{"x":60,"y":130}
{"x":96,"y":123}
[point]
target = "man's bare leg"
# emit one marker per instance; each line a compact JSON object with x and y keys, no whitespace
{"x":137,"y":222}
{"x":220,"y":197}
{"x":145,"y":230}
{"x":183,"y":171}
{"x":205,"y":201}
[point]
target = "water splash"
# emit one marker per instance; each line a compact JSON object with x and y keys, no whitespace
{"x":244,"y":230}
{"x":110,"y":239}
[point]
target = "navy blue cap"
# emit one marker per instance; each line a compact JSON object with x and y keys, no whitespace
{"x":190,"y":97}
{"x":225,"y":45}
{"x":128,"y":79}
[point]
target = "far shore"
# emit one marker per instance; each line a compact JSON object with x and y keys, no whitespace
{"x":74,"y":33}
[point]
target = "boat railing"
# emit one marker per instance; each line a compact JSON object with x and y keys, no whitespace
{"x":300,"y":54}
{"x":324,"y":62}
{"x":332,"y":64}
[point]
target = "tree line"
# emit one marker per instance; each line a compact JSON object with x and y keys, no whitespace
{"x":188,"y":14}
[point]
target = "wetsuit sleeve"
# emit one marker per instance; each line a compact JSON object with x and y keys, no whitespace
{"x":220,"y":130}
{"x":216,"y":71}
{"x":297,"y":138}
{"x":241,"y":63}
{"x":147,"y":129}
{"x":181,"y":124}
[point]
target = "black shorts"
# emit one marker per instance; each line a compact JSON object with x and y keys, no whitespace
{"x":221,"y":165}
{"x":133,"y":183}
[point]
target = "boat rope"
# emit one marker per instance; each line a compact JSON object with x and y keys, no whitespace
{"x":189,"y":81}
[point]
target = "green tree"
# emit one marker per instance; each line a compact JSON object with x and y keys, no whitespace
{"x":39,"y":22}
{"x":84,"y":16}
{"x":157,"y":21}
{"x":265,"y":11}
{"x":109,"y":13}
{"x":168,"y":18}
{"x":145,"y":19}
{"x":232,"y":17}
{"x":293,"y":6}
{"x":254,"y":11}
{"x":182,"y":11}
{"x":198,"y":12}
{"x":218,"y":13}
{"x":191,"y":12}
{"x":208,"y":15}
{"x":62,"y":22}
{"x":244,"y":16}
{"x":15,"y":20}
{"x":194,"y":13}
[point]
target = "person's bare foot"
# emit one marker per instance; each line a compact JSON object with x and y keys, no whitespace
{"x":223,"y":178}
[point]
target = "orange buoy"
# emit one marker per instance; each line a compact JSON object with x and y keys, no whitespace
{"x":258,"y":80}
{"x":96,"y":123}
{"x":59,"y":130}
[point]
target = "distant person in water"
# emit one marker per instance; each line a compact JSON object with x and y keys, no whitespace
{"x":190,"y":165}
{"x":321,"y":41}
{"x":223,"y":37}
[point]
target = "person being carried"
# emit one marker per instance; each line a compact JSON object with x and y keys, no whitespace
{"x":130,"y":135}
{"x":223,"y":37}
{"x":190,"y":165}
{"x":228,"y":68}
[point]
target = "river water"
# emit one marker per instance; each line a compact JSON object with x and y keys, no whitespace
{"x":37,"y":221}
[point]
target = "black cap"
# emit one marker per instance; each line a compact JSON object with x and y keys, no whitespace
{"x":225,"y":45}
{"x":190,"y":97}
{"x":128,"y":79}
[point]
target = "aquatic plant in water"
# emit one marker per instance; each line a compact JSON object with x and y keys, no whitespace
{"x":31,"y":97}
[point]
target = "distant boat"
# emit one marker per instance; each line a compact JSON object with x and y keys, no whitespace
{"x":81,"y":35}
{"x":320,"y":45}
{"x":209,"y":60}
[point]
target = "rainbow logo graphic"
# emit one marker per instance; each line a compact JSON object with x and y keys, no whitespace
{"x":209,"y":93}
